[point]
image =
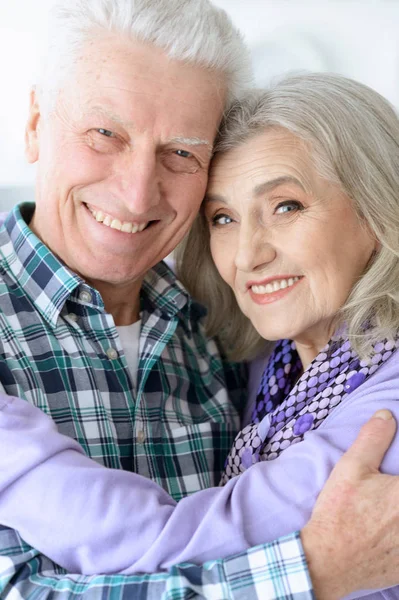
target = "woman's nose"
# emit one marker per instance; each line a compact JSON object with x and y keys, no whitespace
{"x":254,"y":250}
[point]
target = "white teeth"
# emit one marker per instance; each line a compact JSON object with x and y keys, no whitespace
{"x":116,"y":224}
{"x":109,"y":221}
{"x":274,"y":286}
{"x":127,"y":227}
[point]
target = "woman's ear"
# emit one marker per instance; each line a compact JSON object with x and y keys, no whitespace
{"x":32,"y":129}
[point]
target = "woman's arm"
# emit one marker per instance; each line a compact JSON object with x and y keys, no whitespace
{"x":91,"y":519}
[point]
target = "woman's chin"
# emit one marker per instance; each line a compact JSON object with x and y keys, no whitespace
{"x":273,"y":335}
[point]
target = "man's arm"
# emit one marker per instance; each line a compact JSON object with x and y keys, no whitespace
{"x":339,"y":562}
{"x":273,"y":571}
{"x":276,"y":569}
{"x":211,"y":524}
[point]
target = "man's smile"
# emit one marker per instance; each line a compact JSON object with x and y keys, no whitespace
{"x":114,"y":223}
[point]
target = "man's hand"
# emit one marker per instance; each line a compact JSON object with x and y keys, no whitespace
{"x":352,"y":539}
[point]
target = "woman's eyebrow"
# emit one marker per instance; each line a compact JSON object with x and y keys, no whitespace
{"x":213,"y":198}
{"x":270,"y":185}
{"x":259,"y":189}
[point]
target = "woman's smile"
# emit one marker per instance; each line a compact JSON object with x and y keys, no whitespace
{"x":272,"y":289}
{"x":287,"y":241}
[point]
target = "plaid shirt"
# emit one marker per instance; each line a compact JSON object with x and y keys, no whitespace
{"x":60,"y":351}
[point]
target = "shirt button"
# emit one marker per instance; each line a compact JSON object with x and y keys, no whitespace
{"x":140,"y":437}
{"x":73,"y":317}
{"x":85,"y":296}
{"x":112,"y":353}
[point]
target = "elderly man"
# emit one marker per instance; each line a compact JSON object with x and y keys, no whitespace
{"x":97,"y":332}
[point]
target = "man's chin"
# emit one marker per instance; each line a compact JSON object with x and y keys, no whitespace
{"x":109,"y":276}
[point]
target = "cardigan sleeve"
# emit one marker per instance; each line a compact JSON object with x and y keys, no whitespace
{"x":90,"y":519}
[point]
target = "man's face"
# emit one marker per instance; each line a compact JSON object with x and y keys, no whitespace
{"x":123,"y":160}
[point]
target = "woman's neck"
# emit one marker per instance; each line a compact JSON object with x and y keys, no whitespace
{"x":310,"y":343}
{"x":306,"y":354}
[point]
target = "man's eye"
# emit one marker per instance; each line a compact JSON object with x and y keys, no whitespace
{"x":105,"y":132}
{"x":221,"y":220}
{"x":104,"y":141}
{"x":183,"y":153}
{"x":288,"y":206}
{"x":172,"y":161}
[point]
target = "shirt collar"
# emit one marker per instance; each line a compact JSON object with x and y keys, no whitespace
{"x":161,"y":290}
{"x":45,"y":279}
{"x":163,"y":293}
{"x":49,"y":283}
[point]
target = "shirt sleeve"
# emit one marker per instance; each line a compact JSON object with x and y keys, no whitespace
{"x":85,"y":517}
{"x":100,"y":521}
{"x":275,"y":571}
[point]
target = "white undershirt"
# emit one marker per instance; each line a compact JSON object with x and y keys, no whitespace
{"x":130,"y":340}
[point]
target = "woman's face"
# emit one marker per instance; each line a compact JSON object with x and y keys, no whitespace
{"x":286,"y":241}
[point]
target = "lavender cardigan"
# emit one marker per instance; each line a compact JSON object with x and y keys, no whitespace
{"x":95,"y":520}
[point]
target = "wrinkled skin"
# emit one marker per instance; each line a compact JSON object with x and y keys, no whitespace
{"x":351,"y":540}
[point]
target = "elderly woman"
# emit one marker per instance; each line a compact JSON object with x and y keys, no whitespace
{"x":297,"y":243}
{"x":300,"y":230}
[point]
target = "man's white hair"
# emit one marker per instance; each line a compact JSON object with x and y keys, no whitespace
{"x":192,"y":31}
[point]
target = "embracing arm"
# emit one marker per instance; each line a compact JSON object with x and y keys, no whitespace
{"x":334,"y":539}
{"x":355,"y":521}
{"x":27,"y":574}
{"x":88,"y":518}
{"x":100,"y":519}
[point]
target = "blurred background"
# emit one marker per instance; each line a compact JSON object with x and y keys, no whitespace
{"x":358,"y":38}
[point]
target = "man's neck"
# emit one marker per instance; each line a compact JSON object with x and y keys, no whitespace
{"x":120,"y":301}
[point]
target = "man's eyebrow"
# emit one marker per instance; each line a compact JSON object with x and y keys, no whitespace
{"x":192,"y":141}
{"x":105,"y":112}
{"x":185,"y":141}
{"x":268,"y":186}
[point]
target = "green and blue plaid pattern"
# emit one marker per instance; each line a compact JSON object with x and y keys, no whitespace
{"x":60,"y":351}
{"x":275,"y":571}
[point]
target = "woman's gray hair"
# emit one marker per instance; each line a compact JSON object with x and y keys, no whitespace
{"x":353,"y":136}
{"x":193,"y":31}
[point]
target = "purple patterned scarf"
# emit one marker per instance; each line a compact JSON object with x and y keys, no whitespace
{"x":287,"y":407}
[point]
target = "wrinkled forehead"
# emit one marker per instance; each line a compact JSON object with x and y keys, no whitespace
{"x":268,"y":155}
{"x":110,"y":65}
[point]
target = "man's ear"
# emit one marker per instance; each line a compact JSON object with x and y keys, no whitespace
{"x":32,"y":129}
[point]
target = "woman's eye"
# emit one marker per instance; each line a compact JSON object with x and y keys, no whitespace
{"x":288,"y":206}
{"x":105,"y":132}
{"x":221,"y":220}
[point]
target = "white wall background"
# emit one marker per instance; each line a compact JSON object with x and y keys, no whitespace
{"x":358,"y":38}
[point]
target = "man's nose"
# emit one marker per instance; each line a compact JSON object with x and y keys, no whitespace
{"x":141,"y":184}
{"x":254,"y":251}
